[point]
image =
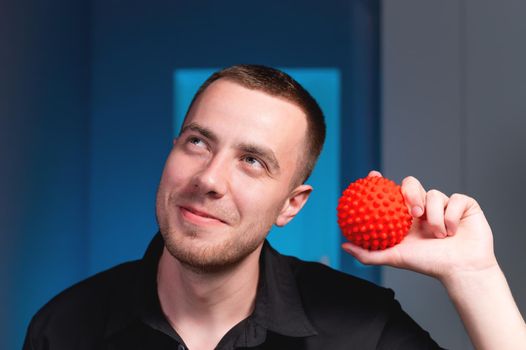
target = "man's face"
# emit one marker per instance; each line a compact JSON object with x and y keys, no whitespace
{"x":228,"y":177}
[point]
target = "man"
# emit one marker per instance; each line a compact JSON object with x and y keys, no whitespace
{"x":248,"y":143}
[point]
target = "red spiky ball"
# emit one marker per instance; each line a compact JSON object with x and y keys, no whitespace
{"x":372,"y":213}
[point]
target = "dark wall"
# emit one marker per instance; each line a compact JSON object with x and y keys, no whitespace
{"x":44,"y":91}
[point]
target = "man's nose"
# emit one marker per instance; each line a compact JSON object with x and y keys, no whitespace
{"x":212,"y":179}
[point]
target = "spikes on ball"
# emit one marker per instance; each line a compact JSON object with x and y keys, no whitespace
{"x":372,"y":213}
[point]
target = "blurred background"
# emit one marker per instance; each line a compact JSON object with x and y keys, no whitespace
{"x":92,"y":93}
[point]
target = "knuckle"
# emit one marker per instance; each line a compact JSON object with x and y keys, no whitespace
{"x":463,"y":198}
{"x":408,"y":179}
{"x":434,"y":193}
{"x":458,"y":196}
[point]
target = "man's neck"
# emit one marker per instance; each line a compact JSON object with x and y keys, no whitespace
{"x":207,"y":303}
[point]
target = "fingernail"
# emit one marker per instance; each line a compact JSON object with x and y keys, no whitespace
{"x":417,"y":211}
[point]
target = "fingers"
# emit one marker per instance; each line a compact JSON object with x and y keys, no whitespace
{"x":415,"y":196}
{"x":444,"y":214}
{"x":459,"y":206}
{"x":433,"y":203}
{"x":441,"y":214}
{"x":436,"y":202}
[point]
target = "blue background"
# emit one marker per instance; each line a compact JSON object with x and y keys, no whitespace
{"x":87,"y":111}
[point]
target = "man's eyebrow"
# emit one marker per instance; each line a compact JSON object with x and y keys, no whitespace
{"x":209,"y":134}
{"x":263,"y":152}
{"x":260,"y":151}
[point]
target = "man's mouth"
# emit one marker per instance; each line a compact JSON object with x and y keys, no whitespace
{"x":199,"y":217}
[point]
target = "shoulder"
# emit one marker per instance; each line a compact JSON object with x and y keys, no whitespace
{"x":343,"y":306}
{"x":94,"y":291}
{"x":331,"y":288}
{"x":83,"y":307}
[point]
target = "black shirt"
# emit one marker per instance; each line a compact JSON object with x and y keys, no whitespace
{"x":299,"y":305}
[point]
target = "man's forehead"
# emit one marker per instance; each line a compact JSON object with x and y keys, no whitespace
{"x":244,"y":116}
{"x":228,"y":104}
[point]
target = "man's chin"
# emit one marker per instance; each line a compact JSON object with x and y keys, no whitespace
{"x":209,"y":267}
{"x":203,"y":256}
{"x":206,"y":262}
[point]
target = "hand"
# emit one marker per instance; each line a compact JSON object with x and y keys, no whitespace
{"x":449,"y":235}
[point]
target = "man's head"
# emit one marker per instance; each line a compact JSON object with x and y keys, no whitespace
{"x":233,"y":171}
{"x":279,"y":84}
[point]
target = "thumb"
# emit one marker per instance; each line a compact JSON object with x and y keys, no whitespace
{"x":368,"y":257}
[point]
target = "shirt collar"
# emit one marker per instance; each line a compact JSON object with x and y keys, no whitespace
{"x":277,"y":291}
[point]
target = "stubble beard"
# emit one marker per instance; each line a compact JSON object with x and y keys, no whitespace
{"x":200,"y":256}
{"x":204,"y":257}
{"x":209,"y":258}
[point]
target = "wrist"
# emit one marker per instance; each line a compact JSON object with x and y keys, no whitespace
{"x":472,"y":278}
{"x":485,"y":304}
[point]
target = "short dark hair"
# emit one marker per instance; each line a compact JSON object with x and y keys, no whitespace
{"x":277,"y":83}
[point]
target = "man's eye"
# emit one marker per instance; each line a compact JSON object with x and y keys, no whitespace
{"x":253,"y":162}
{"x":196,"y":141}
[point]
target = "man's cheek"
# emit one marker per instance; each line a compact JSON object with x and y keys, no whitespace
{"x":177,"y":175}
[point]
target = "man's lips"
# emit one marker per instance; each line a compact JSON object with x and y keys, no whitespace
{"x":199,"y":216}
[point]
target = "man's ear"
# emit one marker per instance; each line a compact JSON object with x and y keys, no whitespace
{"x":174,"y":141}
{"x":296,"y":200}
